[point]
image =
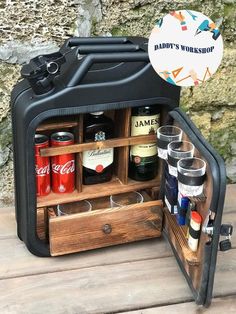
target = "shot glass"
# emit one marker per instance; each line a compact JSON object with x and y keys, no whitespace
{"x":124,"y":199}
{"x":74,"y":208}
{"x":165,"y":135}
{"x":177,"y":150}
{"x":191,"y":176}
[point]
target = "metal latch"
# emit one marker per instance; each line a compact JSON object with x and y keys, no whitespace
{"x":207,"y":226}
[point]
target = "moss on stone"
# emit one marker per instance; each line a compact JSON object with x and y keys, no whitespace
{"x":9,"y":75}
{"x":5,"y":133}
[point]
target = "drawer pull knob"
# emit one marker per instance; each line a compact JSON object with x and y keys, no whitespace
{"x":107,"y":228}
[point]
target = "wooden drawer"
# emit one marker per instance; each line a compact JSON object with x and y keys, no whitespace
{"x":104,"y":227}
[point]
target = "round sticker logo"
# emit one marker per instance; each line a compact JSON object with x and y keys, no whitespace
{"x":185,"y":48}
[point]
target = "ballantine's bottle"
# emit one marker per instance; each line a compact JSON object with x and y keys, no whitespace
{"x":97,"y":164}
{"x":143,"y":157}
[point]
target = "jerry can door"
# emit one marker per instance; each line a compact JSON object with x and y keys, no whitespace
{"x":197,"y":266}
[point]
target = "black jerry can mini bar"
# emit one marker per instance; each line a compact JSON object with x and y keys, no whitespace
{"x":97,"y":74}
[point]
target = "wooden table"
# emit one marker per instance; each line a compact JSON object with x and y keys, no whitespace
{"x":135,"y":278}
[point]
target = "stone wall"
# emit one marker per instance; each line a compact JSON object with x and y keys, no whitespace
{"x":30,"y":27}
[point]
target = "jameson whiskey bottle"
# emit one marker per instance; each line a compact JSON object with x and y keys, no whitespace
{"x":143,"y":157}
{"x":97,"y":164}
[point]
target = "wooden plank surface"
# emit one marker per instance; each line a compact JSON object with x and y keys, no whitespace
{"x":116,"y":279}
{"x":7,"y":223}
{"x":218,"y":306}
{"x":115,"y":142}
{"x":110,"y":288}
{"x":17,"y":260}
{"x":101,"y":289}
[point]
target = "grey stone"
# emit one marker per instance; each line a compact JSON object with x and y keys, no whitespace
{"x":231,"y":169}
{"x":17,"y":52}
{"x":89,"y":12}
{"x":217,"y":115}
{"x":229,"y":1}
{"x":9,"y":74}
{"x":4,"y":156}
{"x":233,"y":148}
{"x":6,"y":184}
{"x":5,"y":141}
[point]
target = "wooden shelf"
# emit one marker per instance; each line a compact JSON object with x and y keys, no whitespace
{"x":115,"y":186}
{"x":57,"y":124}
{"x":115,"y":142}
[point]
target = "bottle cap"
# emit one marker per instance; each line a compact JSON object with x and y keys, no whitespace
{"x":196,"y":217}
{"x":97,"y":113}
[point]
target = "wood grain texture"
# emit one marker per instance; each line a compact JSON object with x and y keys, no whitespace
{"x":57,"y":124}
{"x":79,"y":157}
{"x":7,"y":223}
{"x":102,"y":289}
{"x":115,"y":142}
{"x":85,"y":231}
{"x":218,"y":306}
{"x":114,"y":186}
{"x":109,"y":288}
{"x":17,"y":261}
{"x":121,"y":162}
{"x":177,"y":235}
{"x":41,"y":223}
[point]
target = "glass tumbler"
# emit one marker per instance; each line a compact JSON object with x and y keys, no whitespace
{"x":165,"y":135}
{"x":74,"y":208}
{"x":176,"y":151}
{"x":191,"y":176}
{"x":124,"y":199}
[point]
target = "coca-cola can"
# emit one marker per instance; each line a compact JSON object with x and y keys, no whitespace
{"x":63,"y":166}
{"x":42,"y":166}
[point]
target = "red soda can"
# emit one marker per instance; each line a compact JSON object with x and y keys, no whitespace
{"x":63,"y":166}
{"x":42,"y":166}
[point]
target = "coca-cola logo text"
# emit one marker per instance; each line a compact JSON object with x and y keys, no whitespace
{"x":67,"y":168}
{"x":42,"y":171}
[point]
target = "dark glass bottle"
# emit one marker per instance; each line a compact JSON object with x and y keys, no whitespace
{"x":143,"y":157}
{"x":97,"y":164}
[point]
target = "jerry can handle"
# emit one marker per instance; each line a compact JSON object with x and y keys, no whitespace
{"x":90,"y":59}
{"x":76,"y":41}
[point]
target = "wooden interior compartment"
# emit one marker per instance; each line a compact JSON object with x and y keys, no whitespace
{"x":178,"y":236}
{"x":192,"y":261}
{"x":104,"y":227}
{"x":120,"y":182}
{"x":121,"y":162}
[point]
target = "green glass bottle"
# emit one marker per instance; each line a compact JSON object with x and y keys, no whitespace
{"x":143,"y":157}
